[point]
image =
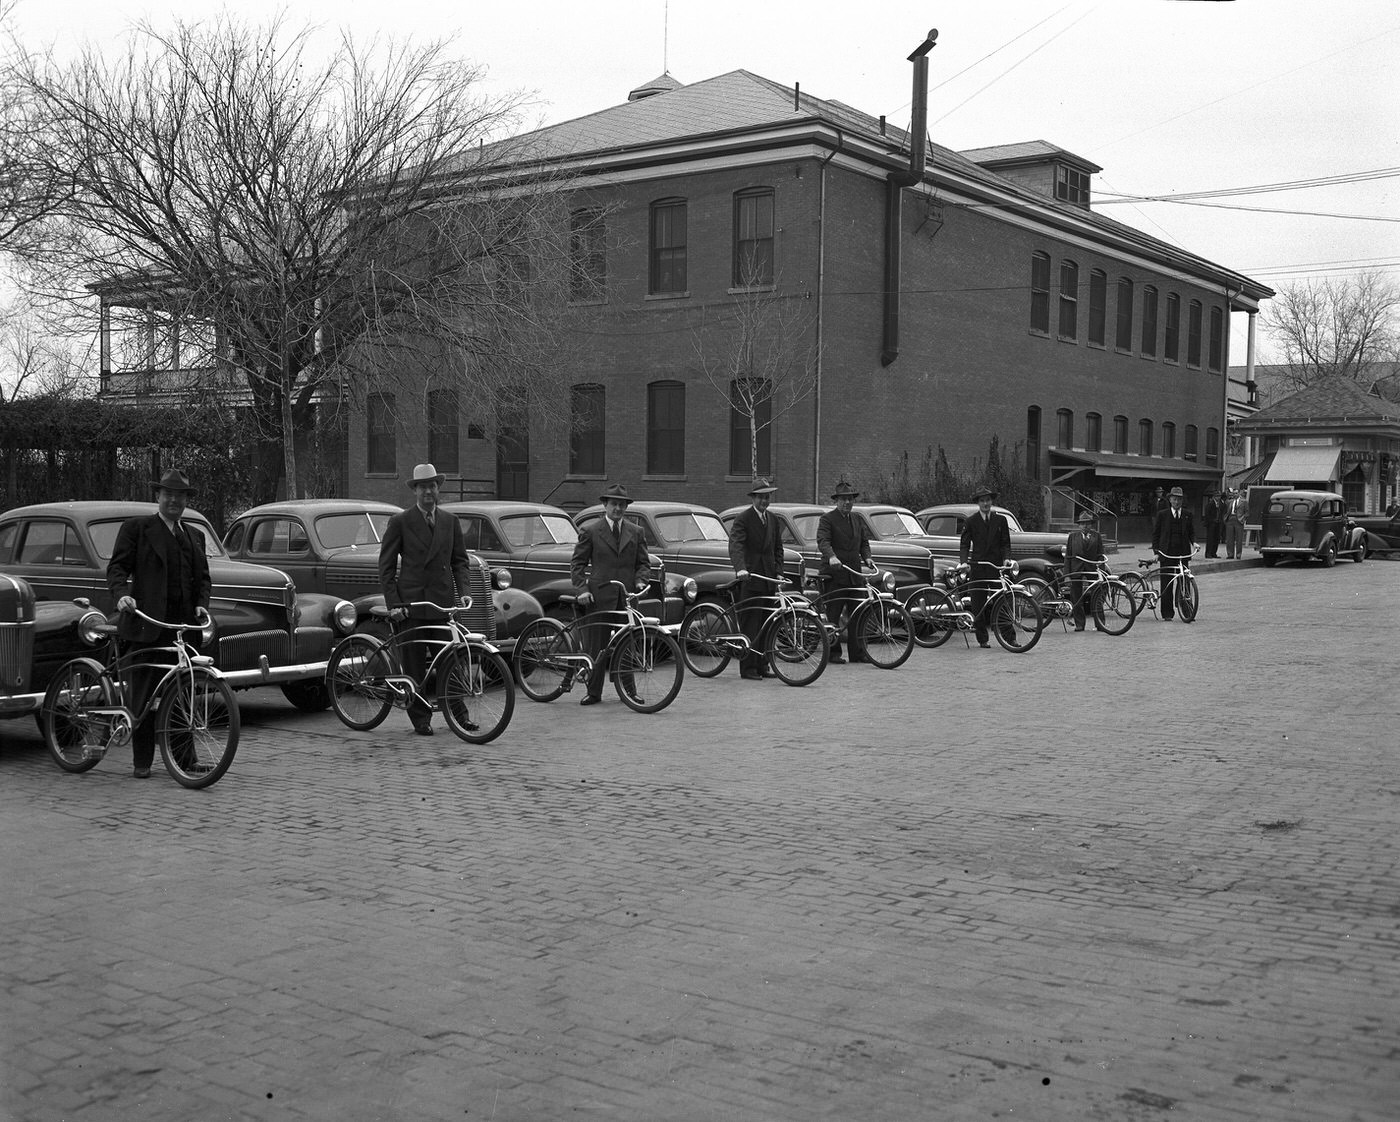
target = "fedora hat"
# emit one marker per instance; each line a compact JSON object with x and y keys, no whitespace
{"x":1087,"y":516}
{"x":981,"y":491}
{"x":425,"y":473}
{"x":1176,"y":493}
{"x":762,"y":486}
{"x":845,"y":491}
{"x":174,"y":480}
{"x":616,"y":491}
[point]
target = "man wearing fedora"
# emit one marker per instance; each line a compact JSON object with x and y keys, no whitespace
{"x":159,"y":566}
{"x":1215,"y":521}
{"x":1083,"y":555}
{"x":755,"y":550}
{"x":610,"y":549}
{"x":423,"y":557}
{"x":845,"y":545}
{"x":1234,"y":523}
{"x":1173,"y":536}
{"x":984,"y":547}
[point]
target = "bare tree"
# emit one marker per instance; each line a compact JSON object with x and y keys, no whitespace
{"x":1334,"y":328}
{"x":339,"y":227}
{"x":28,"y":187}
{"x":760,"y":355}
{"x":35,"y":362}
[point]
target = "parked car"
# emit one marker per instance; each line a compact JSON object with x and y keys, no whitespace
{"x":1032,"y":549}
{"x":912,"y":565}
{"x":1382,"y":530}
{"x":265,"y":631}
{"x":36,"y":638}
{"x":1307,"y":526}
{"x":691,"y":541}
{"x":332,"y":546}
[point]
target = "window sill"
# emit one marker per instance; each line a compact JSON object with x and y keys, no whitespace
{"x":667,"y":295}
{"x":665,"y":478}
{"x":572,"y":477}
{"x":1037,"y":332}
{"x":1071,"y":339}
{"x":739,"y":290}
{"x":1147,"y":357}
{"x":1097,"y":346}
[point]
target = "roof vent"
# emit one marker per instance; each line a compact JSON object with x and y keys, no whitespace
{"x":663,"y":84}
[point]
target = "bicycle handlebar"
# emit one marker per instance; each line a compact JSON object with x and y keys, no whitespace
{"x":444,"y":611}
{"x":176,"y":627}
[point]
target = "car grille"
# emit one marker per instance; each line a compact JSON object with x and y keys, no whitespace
{"x":481,"y":618}
{"x":240,"y":652}
{"x":353,"y":576}
{"x":314,"y":644}
{"x":16,"y":655}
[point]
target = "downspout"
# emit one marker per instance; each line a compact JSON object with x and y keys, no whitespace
{"x":895,"y":183}
{"x":821,"y":286}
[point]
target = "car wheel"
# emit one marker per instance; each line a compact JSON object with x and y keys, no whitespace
{"x":1360,"y":554}
{"x":309,"y":696}
{"x":1329,"y":555}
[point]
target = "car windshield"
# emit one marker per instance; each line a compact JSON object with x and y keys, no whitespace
{"x":104,"y":535}
{"x":895,"y":523}
{"x":538,"y":529}
{"x":357,"y":527}
{"x":690,"y":527}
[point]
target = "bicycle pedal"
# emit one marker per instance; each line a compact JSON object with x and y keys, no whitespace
{"x":94,"y":751}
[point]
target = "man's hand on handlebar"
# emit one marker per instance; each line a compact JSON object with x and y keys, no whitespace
{"x":398,"y":615}
{"x":126,"y":604}
{"x":584,"y":600}
{"x":741,"y":574}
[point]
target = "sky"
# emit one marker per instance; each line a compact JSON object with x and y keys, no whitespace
{"x":1167,"y":96}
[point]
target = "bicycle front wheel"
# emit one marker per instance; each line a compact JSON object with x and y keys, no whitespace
{"x":1188,"y":597}
{"x":75,"y":738}
{"x":197,"y":727}
{"x":356,"y":677}
{"x":647,"y":668}
{"x":541,"y":667}
{"x":706,"y":655}
{"x":1137,"y":584}
{"x":1115,"y":607}
{"x":797,"y":646}
{"x":1016,"y":620}
{"x":884,"y":632}
{"x":931,"y":613}
{"x":476,"y":693}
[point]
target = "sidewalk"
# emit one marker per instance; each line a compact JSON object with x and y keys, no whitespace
{"x":1124,"y":560}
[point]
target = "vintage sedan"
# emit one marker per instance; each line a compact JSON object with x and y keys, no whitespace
{"x":1382,"y":530}
{"x":265,"y":631}
{"x":332,"y":546}
{"x":912,"y":565}
{"x":943,"y":527}
{"x":1309,"y":526}
{"x":691,"y":541}
{"x":36,"y":638}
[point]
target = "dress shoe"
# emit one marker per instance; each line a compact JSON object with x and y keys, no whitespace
{"x":836,"y":659}
{"x":1080,"y":627}
{"x":751,"y":675}
{"x":140,"y":773}
{"x":984,"y":646}
{"x":589,"y":699}
{"x":423,"y":729}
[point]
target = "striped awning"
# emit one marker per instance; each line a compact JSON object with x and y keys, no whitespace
{"x":1304,"y":465}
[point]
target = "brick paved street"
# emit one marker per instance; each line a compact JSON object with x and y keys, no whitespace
{"x":1109,"y":879}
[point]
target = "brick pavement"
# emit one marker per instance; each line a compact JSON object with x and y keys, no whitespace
{"x":1109,"y":879}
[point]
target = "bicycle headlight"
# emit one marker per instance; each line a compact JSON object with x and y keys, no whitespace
{"x":88,"y":624}
{"x":887,"y":581}
{"x":345,"y":617}
{"x":502,"y":578}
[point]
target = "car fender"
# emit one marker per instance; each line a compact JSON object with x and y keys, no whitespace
{"x":1037,"y":565}
{"x":513,"y":609}
{"x":546,"y":594}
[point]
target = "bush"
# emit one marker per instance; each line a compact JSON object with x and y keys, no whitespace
{"x":934,"y":481}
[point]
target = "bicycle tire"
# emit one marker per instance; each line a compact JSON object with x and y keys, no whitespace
{"x":1137,"y":584}
{"x":539,"y":670}
{"x":647,"y":669}
{"x":931,"y":611}
{"x":197,"y":727}
{"x":705,"y":656}
{"x":884,"y":633}
{"x":796,"y":646}
{"x":355,"y":679}
{"x":476,"y":693}
{"x":1115,"y":607}
{"x":1188,"y":597}
{"x":76,"y":740}
{"x":1016,"y":620}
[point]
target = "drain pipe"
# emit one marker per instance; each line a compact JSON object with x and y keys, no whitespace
{"x":895,"y":183}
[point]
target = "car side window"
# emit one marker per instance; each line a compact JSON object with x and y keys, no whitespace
{"x":489,"y":538}
{"x":8,"y":533}
{"x":647,"y":536}
{"x":51,"y":543}
{"x":277,"y":536}
{"x":234,"y":541}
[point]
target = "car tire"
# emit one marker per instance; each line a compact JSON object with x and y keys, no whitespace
{"x":1360,"y":554}
{"x":1329,"y":555}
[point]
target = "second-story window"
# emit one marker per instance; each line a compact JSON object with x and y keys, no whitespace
{"x":1065,"y":428}
{"x":1144,"y":437}
{"x":1212,"y":446}
{"x":1171,"y":339}
{"x":1069,"y":300}
{"x":588,"y":260}
{"x":1189,"y":452}
{"x":1123,"y":337}
{"x":668,"y":247}
{"x":1168,"y":439}
{"x":444,"y":431}
{"x":1120,"y":435}
{"x":1093,"y":432}
{"x":1193,"y":334}
{"x":753,"y":237}
{"x":1040,"y":293}
{"x":1149,"y":321}
{"x":1217,"y":339}
{"x":588,"y":431}
{"x":1098,"y":306}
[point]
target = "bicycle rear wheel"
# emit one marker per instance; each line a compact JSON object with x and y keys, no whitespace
{"x":1188,"y":597}
{"x":540,"y":665}
{"x":931,"y":613}
{"x":1115,"y":607}
{"x":1137,"y":584}
{"x":356,"y":676}
{"x":197,"y":727}
{"x":705,"y":654}
{"x":647,"y":668}
{"x":884,"y":632}
{"x":797,"y":646}
{"x":1015,"y":618}
{"x":75,"y":738}
{"x":476,"y":693}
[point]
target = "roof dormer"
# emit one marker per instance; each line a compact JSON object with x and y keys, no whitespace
{"x":1041,"y":167}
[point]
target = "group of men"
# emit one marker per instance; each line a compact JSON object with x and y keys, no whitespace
{"x":1225,"y":514}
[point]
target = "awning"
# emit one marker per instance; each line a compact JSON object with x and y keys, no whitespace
{"x":1252,"y":474}
{"x":1116,"y":465}
{"x":1304,"y":465}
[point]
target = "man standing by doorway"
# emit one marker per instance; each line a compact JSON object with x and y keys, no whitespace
{"x":755,"y":550}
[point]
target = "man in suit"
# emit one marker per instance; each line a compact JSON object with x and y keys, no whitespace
{"x":1083,"y":555}
{"x":610,"y":549}
{"x":755,"y":549}
{"x":423,"y":557}
{"x":845,"y":545}
{"x":1215,"y":522}
{"x":159,"y":566}
{"x":985,"y":545}
{"x":1234,"y":523}
{"x":1173,"y":536}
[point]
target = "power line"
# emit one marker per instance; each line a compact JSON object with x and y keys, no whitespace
{"x":1259,"y":189}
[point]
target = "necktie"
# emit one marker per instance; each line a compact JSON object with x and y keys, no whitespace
{"x":616,"y":530}
{"x":429,"y":517}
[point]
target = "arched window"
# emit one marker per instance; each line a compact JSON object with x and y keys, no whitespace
{"x":1123,"y":338}
{"x":588,"y":430}
{"x":1069,"y":300}
{"x":1040,"y":293}
{"x":1120,"y":435}
{"x":1193,"y":334}
{"x":1093,"y":435}
{"x":1098,"y":306}
{"x":1064,"y":428}
{"x":1169,"y":439}
{"x":1149,"y":321}
{"x":1144,"y":437}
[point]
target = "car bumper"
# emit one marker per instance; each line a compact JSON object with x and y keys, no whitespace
{"x":18,"y":704}
{"x":1288,"y":551}
{"x":265,"y":674}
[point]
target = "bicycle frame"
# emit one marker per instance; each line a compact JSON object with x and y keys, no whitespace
{"x":775,"y":603}
{"x":1150,"y":570}
{"x":628,"y":618}
{"x":450,"y":635}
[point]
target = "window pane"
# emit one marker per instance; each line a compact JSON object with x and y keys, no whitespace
{"x":1169,"y":439}
{"x":1171,"y":343}
{"x":1040,"y":292}
{"x":753,"y":238}
{"x":443,"y":430}
{"x":1098,"y":305}
{"x":1144,"y":438}
{"x":1149,"y":321}
{"x":750,"y":400}
{"x":666,"y":428}
{"x":1217,"y":340}
{"x":1065,"y":419}
{"x":380,"y":453}
{"x":1093,"y":438}
{"x":588,"y":262}
{"x":668,"y":246}
{"x":1069,"y":300}
{"x":1193,"y":335}
{"x":1123,"y":340}
{"x":588,"y":430}
{"x":1120,"y":435}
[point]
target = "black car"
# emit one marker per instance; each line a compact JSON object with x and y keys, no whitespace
{"x":36,"y":638}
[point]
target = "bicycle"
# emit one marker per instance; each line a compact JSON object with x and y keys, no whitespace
{"x":877,"y":622}
{"x":793,"y":638}
{"x":640,"y":654}
{"x":475,"y":691}
{"x":1181,"y":585}
{"x":1013,"y":614}
{"x":85,"y":711}
{"x":1107,"y":598}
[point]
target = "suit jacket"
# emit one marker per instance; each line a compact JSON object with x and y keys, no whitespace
{"x":1174,"y":536}
{"x":600,"y":558}
{"x":138,"y":568}
{"x":756,"y":547}
{"x":416,"y":563}
{"x":985,"y":539}
{"x":1235,"y":509}
{"x":1215,"y":512}
{"x":845,"y":538}
{"x":1085,"y":547}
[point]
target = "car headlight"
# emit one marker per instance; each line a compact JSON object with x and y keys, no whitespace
{"x":690,"y":590}
{"x":887,"y":581}
{"x":502,"y":578}
{"x":345,"y":616}
{"x":89,"y":624}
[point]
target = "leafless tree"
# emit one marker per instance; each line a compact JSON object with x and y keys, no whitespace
{"x":760,"y":355}
{"x":1334,"y":328}
{"x":338,"y":227}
